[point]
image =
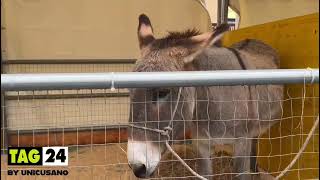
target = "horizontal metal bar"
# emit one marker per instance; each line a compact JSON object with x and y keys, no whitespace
{"x":19,"y":82}
{"x":69,"y":61}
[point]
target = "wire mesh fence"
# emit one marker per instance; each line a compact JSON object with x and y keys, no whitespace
{"x":79,"y":119}
{"x":93,"y":124}
{"x":85,"y":120}
{"x":96,"y":125}
{"x":67,"y":66}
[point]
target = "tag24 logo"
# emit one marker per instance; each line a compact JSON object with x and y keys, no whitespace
{"x":44,"y":156}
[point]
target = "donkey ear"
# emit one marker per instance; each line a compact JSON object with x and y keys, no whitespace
{"x":145,"y":31}
{"x":205,"y":40}
{"x":219,"y":31}
{"x":211,"y":38}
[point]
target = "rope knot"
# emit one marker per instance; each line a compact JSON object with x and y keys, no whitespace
{"x":166,"y":131}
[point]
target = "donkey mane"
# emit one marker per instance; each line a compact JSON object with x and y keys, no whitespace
{"x":182,"y":35}
{"x":175,"y":38}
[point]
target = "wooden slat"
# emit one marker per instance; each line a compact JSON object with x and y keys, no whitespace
{"x":68,"y":138}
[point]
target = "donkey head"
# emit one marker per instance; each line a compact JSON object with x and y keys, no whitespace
{"x":153,"y":108}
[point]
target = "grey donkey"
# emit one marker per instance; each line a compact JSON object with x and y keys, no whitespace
{"x":235,"y":115}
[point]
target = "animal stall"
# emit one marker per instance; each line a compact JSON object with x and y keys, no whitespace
{"x":92,"y":119}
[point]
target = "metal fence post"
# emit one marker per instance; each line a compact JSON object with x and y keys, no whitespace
{"x":4,"y":123}
{"x":222,"y":11}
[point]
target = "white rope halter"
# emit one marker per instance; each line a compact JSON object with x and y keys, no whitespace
{"x":166,"y":132}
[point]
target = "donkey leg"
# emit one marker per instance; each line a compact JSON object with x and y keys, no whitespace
{"x":204,"y":162}
{"x":241,"y":164}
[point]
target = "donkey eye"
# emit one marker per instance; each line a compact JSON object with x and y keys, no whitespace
{"x":160,"y":94}
{"x":163,"y":93}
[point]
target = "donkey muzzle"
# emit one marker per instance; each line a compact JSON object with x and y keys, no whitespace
{"x":139,"y":170}
{"x":143,"y":157}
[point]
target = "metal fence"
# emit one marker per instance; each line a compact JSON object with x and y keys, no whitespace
{"x":89,"y":113}
{"x":156,"y":79}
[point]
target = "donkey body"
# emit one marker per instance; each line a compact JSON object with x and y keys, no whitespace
{"x":215,"y":115}
{"x":236,"y":114}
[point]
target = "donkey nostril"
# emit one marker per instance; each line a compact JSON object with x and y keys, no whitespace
{"x":139,"y":170}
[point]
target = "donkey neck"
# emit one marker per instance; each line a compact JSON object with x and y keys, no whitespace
{"x":217,"y":58}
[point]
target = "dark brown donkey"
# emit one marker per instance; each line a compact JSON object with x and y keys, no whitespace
{"x":215,"y":115}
